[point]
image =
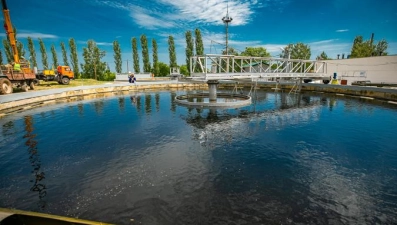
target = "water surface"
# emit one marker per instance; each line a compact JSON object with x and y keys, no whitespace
{"x":287,"y":159}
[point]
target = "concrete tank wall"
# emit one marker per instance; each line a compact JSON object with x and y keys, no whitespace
{"x":375,"y":69}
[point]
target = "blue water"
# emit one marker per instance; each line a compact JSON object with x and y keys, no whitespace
{"x":299,"y":159}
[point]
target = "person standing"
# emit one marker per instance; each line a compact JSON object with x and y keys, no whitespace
{"x":17,"y":67}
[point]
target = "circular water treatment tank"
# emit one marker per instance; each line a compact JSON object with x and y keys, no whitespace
{"x":223,"y":100}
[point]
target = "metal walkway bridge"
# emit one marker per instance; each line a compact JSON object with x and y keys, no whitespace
{"x":229,"y":67}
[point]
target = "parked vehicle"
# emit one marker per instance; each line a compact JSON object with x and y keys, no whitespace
{"x":62,"y":75}
{"x":18,"y":74}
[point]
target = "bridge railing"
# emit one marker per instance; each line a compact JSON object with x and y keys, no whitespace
{"x":212,"y":66}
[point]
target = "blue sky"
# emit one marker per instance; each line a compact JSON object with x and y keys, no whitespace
{"x":325,"y":25}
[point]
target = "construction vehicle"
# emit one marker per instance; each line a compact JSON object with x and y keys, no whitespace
{"x":62,"y":75}
{"x":23,"y":77}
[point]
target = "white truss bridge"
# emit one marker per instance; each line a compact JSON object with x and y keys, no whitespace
{"x":212,"y":67}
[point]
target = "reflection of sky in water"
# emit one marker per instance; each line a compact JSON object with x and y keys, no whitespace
{"x":287,"y":159}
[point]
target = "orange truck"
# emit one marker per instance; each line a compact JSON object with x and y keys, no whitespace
{"x":62,"y":75}
{"x":18,"y":74}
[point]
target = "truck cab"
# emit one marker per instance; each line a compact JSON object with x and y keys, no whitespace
{"x":65,"y":74}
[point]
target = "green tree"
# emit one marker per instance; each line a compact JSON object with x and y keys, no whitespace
{"x":237,"y":62}
{"x":297,"y":51}
{"x":381,"y":47}
{"x":361,"y":48}
{"x":323,"y":56}
{"x":32,"y":51}
{"x":44,"y":59}
{"x":64,"y":55}
{"x":164,"y":69}
{"x":199,"y":42}
{"x":145,"y":54}
{"x":171,"y":49}
{"x":117,"y":56}
{"x":21,"y":50}
{"x":255,"y":51}
{"x":93,"y":65}
{"x":189,"y":49}
{"x":54,"y":56}
{"x":1,"y":57}
{"x":156,"y":69}
{"x":8,"y":51}
{"x":184,"y":70}
{"x":73,"y":57}
{"x":135,"y":55}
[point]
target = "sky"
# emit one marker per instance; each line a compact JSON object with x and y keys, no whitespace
{"x":324,"y":25}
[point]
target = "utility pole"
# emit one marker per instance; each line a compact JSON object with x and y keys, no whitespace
{"x":226,"y":20}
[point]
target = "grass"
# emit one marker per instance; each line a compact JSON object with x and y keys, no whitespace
{"x":73,"y":83}
{"x":54,"y":84}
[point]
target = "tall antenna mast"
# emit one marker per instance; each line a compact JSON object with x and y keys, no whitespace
{"x":226,"y":20}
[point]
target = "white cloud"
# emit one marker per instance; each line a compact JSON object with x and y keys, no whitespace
{"x":211,"y":11}
{"x":97,"y":43}
{"x":104,"y":43}
{"x":34,"y":35}
{"x":179,"y":13}
{"x":149,"y":19}
{"x":331,"y":47}
{"x":342,"y":30}
{"x":322,"y":42}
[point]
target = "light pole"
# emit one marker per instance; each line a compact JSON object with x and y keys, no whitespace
{"x":128,"y":70}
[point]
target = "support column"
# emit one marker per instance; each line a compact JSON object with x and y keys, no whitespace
{"x":300,"y":85}
{"x":212,"y":88}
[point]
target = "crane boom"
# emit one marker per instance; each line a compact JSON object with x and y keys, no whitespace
{"x":9,"y":30}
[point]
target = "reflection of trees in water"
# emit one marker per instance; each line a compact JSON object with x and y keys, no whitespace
{"x":173,"y":103}
{"x":361,"y":105}
{"x":122,"y":104}
{"x":148,"y":104}
{"x":8,"y":129}
{"x":138,"y":104}
{"x":98,"y":105}
{"x":157,"y":100}
{"x":80,"y":107}
{"x":35,"y":162}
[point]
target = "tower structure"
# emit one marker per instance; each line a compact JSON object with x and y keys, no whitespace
{"x":226,"y":20}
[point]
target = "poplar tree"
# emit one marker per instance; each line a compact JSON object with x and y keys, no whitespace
{"x":21,"y":50}
{"x":73,"y":57}
{"x":32,"y":51}
{"x":54,"y":56}
{"x":199,"y":43}
{"x":135,"y":55}
{"x":117,"y":56}
{"x":145,"y":54}
{"x":156,"y":69}
{"x":189,"y":48}
{"x":93,"y":65}
{"x":7,"y":50}
{"x":171,"y":49}
{"x":44,"y":59}
{"x":64,"y":55}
